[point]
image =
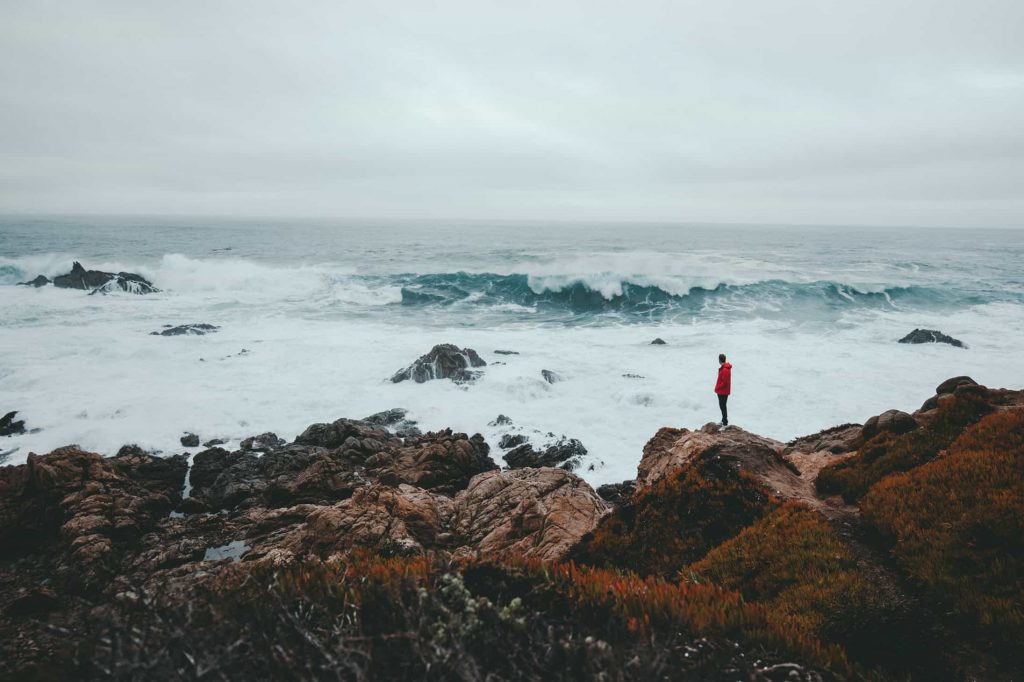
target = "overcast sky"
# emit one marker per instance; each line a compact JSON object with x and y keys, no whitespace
{"x":767,"y":111}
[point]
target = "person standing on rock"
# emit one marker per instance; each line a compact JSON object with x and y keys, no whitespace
{"x":723,"y":387}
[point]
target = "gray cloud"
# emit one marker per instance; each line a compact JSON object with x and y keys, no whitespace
{"x":895,"y":112}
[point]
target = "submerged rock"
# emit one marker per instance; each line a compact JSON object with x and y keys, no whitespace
{"x":658,"y":342}
{"x":186,"y":330}
{"x":512,"y":440}
{"x":506,"y":352}
{"x":10,"y":427}
{"x":931,"y":336}
{"x":103,"y":282}
{"x":444,"y":361}
{"x":551,"y":377}
{"x":39,"y":281}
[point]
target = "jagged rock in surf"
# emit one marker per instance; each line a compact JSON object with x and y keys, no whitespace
{"x":395,"y":421}
{"x":931,"y":336}
{"x":186,"y":330}
{"x":444,"y":361}
{"x":500,"y":420}
{"x":658,"y":342}
{"x":512,"y":440}
{"x":190,"y":440}
{"x":10,"y":427}
{"x":103,"y":282}
{"x":565,"y":453}
{"x":39,"y":281}
{"x":551,"y":377}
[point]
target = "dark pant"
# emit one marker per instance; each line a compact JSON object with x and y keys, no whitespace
{"x":722,"y":400}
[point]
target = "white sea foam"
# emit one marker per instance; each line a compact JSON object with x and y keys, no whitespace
{"x":86,"y":371}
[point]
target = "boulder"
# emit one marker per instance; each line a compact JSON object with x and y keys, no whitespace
{"x":186,"y":330}
{"x":565,"y":453}
{"x":214,"y":441}
{"x":189,"y":440}
{"x":357,"y":436}
{"x":931,"y":336}
{"x":393,"y":521}
{"x":442,"y":462}
{"x":658,"y":342}
{"x":512,"y":440}
{"x":891,"y":421}
{"x":262,"y":442}
{"x":103,"y":282}
{"x":501,"y":420}
{"x":444,"y":361}
{"x":10,"y":427}
{"x":39,"y":281}
{"x":395,"y":421}
{"x":524,"y":513}
{"x":950,"y":385}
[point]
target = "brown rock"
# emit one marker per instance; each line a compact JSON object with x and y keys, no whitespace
{"x":442,"y":462}
{"x":525,"y":512}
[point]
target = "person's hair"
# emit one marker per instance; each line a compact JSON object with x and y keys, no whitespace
{"x":721,"y":357}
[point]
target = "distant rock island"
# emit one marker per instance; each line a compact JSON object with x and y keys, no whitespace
{"x":96,"y":281}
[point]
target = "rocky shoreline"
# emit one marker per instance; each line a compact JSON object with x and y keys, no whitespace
{"x":424,"y":535}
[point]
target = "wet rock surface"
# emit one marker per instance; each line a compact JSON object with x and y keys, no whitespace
{"x":189,"y":440}
{"x":444,"y":361}
{"x":186,"y":330}
{"x":9,"y":426}
{"x":39,"y":281}
{"x":97,"y":281}
{"x":931,"y":336}
{"x":565,"y":453}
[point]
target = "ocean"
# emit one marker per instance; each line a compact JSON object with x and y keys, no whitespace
{"x":316,"y":316}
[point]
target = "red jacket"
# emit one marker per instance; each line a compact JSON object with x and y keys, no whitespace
{"x":724,"y":384}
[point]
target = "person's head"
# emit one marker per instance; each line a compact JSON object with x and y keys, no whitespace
{"x":721,"y":358}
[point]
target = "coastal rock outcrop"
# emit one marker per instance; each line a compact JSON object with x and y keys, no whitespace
{"x":444,"y":361}
{"x":931,"y":336}
{"x":98,"y":281}
{"x":672,"y":449}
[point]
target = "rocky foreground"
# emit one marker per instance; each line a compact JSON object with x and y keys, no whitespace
{"x":891,"y":550}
